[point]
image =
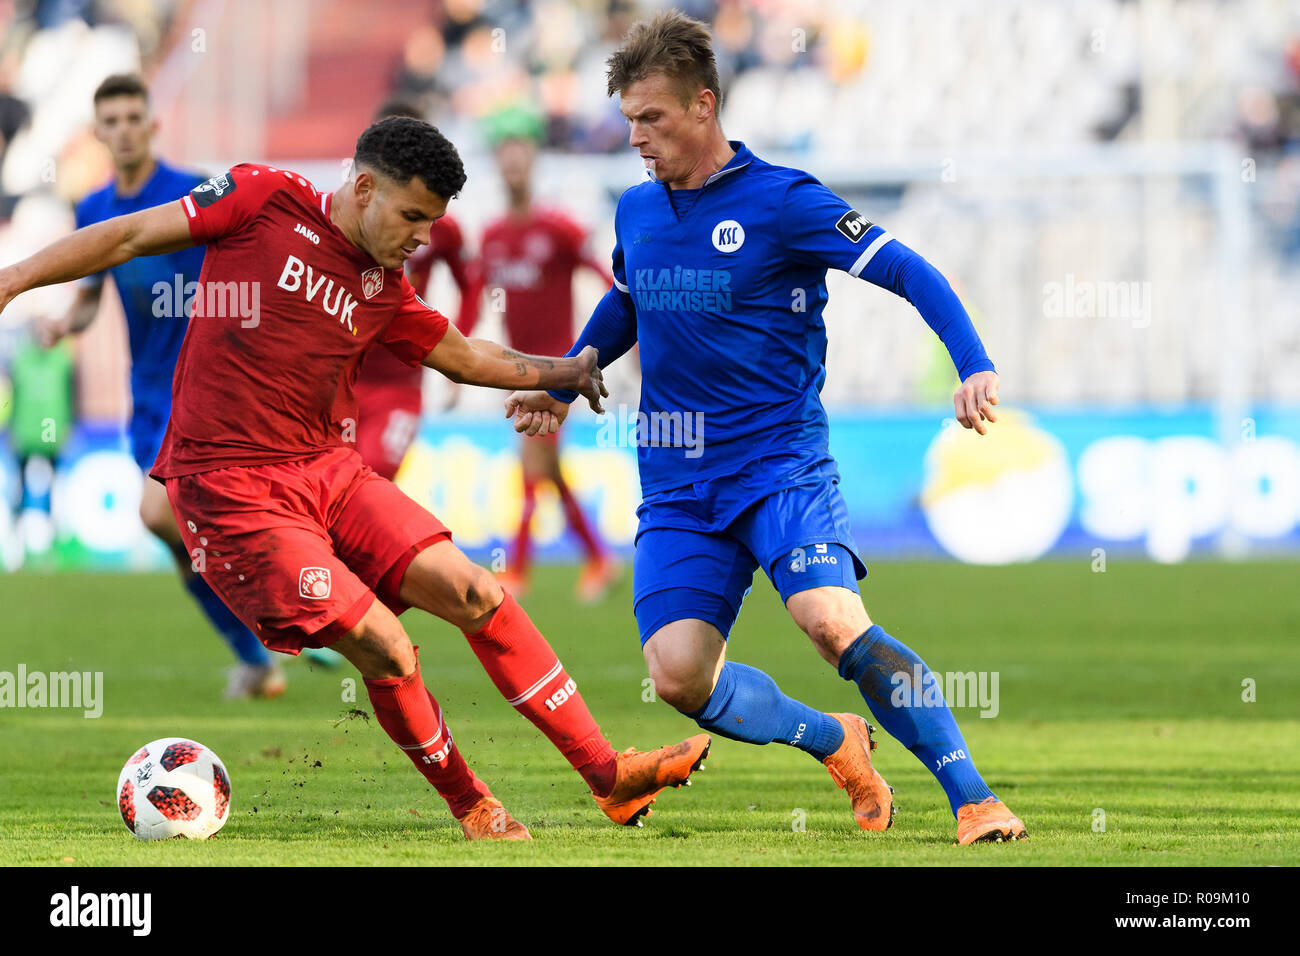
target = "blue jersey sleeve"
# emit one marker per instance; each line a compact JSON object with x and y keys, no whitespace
{"x":823,"y":230}
{"x":612,"y":326}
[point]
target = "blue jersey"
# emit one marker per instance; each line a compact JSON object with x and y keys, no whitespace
{"x":151,"y":287}
{"x":723,"y":289}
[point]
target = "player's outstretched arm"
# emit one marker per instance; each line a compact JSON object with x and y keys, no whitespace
{"x":480,"y":362}
{"x":101,"y":246}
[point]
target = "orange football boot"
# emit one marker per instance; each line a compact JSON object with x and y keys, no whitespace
{"x":641,"y":776}
{"x":596,"y":580}
{"x":988,"y":821}
{"x":489,"y":820}
{"x":850,"y":767}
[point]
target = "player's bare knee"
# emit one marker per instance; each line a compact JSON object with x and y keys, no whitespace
{"x":393,"y":657}
{"x":378,"y":647}
{"x":481,"y":595}
{"x":684,"y":690}
{"x":830,"y":634}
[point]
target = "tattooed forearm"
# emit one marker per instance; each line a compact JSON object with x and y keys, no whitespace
{"x":533,"y":360}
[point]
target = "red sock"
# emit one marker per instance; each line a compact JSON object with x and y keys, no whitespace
{"x":529,"y":675}
{"x":578,"y":521}
{"x":524,"y":541}
{"x":410,"y":715}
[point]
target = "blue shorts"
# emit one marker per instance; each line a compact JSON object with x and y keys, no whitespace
{"x":697,"y":547}
{"x":149,"y":417}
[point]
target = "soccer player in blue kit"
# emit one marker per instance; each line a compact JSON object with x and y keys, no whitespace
{"x":151,"y":288}
{"x":720,"y":264}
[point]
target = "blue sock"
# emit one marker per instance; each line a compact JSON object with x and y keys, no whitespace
{"x":241,"y":640}
{"x":747,"y":705}
{"x":884,"y":670}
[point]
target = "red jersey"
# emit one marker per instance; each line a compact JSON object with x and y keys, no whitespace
{"x":286,"y":306}
{"x":533,"y":260}
{"x":446,"y":244}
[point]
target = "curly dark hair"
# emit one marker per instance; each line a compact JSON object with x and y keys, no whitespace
{"x":401,"y":147}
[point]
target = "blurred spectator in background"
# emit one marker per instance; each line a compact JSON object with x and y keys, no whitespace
{"x":14,"y":115}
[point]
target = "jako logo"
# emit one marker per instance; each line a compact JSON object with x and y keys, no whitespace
{"x":728,"y":236}
{"x":302,"y":230}
{"x":952,"y":756}
{"x":801,"y":560}
{"x":314,"y":583}
{"x":102,"y":909}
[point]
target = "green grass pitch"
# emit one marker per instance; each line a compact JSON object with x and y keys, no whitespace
{"x":1119,"y":693}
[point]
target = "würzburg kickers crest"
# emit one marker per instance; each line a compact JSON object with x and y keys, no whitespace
{"x":314,"y":583}
{"x":372,"y":282}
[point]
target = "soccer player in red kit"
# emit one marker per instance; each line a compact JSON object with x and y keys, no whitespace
{"x":389,"y":390}
{"x":531,"y":253}
{"x":300,"y":538}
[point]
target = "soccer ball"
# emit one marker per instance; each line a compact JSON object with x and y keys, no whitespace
{"x":173,"y":787}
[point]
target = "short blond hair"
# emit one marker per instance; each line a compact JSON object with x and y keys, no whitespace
{"x":672,"y":45}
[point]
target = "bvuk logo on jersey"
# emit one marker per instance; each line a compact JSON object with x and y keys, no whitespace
{"x":728,"y":236}
{"x":314,"y":583}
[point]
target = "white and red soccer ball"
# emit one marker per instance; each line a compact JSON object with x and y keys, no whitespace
{"x":174,"y":787}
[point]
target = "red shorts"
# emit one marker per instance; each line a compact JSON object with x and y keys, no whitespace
{"x":299,"y":549}
{"x":388,"y":417}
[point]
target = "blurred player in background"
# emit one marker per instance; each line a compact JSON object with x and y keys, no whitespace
{"x":389,"y":390}
{"x":306,"y":542}
{"x":720,"y":275}
{"x":155,"y":293}
{"x":531,"y":254}
{"x":40,"y":423}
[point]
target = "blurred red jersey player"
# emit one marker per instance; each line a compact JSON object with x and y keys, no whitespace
{"x":531,"y":253}
{"x":388,"y":390}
